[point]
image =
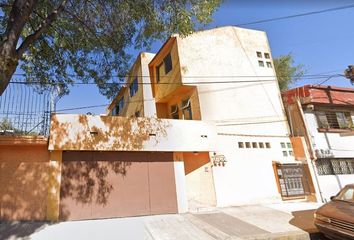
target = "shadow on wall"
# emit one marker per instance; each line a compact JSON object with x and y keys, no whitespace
{"x":23,"y":189}
{"x":85,"y":180}
{"x":105,"y":133}
{"x":20,"y":230}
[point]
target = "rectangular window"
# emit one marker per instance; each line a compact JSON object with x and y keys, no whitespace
{"x":269,"y":65}
{"x":133,"y":87}
{"x":120,"y":105}
{"x":261,"y":145}
{"x":114,"y":111}
{"x":267,"y":145}
{"x":248,"y":145}
{"x":285,"y":153}
{"x":240,"y":145}
{"x":261,"y":63}
{"x":288,"y":145}
{"x":322,"y":120}
{"x":334,"y":120}
{"x":167,"y":61}
{"x":254,"y":145}
{"x":158,"y":73}
{"x":137,"y":114}
{"x":266,"y":55}
{"x":187,"y":109}
{"x":291,"y":153}
{"x":259,"y":54}
{"x":174,"y":112}
{"x":282,"y":144}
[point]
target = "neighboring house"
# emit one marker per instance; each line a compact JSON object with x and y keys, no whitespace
{"x":324,"y":116}
{"x":135,"y":97}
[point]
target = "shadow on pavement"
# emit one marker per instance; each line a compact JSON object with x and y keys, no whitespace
{"x":21,"y":230}
{"x":304,"y":220}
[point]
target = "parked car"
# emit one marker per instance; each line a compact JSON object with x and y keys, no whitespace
{"x":335,"y":219}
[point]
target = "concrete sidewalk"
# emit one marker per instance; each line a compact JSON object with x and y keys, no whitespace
{"x":273,"y":221}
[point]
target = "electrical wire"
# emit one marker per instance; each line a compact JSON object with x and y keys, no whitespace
{"x":296,"y":15}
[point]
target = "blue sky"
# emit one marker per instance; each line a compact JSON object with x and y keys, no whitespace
{"x":322,"y":42}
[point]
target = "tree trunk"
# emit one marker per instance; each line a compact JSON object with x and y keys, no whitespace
{"x":8,"y":65}
{"x":19,"y":14}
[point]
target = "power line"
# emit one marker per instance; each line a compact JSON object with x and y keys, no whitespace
{"x":269,"y":79}
{"x":197,"y":76}
{"x":329,"y":78}
{"x":296,"y":15}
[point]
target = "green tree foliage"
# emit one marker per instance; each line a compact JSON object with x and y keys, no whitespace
{"x":287,"y":72}
{"x":63,"y":41}
{"x":5,"y":124}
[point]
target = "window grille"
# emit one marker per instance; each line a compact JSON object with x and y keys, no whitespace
{"x":327,"y":166}
{"x":334,"y":120}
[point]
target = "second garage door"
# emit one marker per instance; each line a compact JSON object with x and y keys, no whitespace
{"x":116,"y":184}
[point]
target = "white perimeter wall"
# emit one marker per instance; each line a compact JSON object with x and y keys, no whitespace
{"x":248,"y":176}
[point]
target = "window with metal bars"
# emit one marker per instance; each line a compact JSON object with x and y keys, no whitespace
{"x":334,"y":120}
{"x":327,"y":166}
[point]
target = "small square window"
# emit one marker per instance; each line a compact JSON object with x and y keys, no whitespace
{"x":261,"y":145}
{"x":259,"y":54}
{"x":248,"y":145}
{"x":261,"y":63}
{"x":267,"y":145}
{"x":291,"y":153}
{"x":254,"y":145}
{"x":269,"y":65}
{"x":240,"y":145}
{"x":285,"y":153}
{"x":137,"y":114}
{"x":288,"y":145}
{"x":266,"y":55}
{"x":282,"y":144}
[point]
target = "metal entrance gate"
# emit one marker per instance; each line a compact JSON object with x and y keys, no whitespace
{"x":293,"y":180}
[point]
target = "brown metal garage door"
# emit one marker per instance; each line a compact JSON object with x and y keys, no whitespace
{"x":116,"y":184}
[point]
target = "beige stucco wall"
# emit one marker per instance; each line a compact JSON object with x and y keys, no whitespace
{"x":107,"y":133}
{"x":228,"y":54}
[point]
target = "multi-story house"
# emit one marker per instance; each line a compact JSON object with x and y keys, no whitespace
{"x":225,"y":76}
{"x":324,"y":116}
{"x":199,"y":124}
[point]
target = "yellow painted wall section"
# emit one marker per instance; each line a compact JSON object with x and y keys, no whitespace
{"x":135,"y":103}
{"x":199,"y":180}
{"x":173,"y":78}
{"x":183,"y":93}
{"x":54,"y":180}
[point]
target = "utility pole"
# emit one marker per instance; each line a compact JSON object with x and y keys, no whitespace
{"x":349,"y":73}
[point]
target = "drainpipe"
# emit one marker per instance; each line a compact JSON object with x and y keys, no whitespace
{"x":307,"y":135}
